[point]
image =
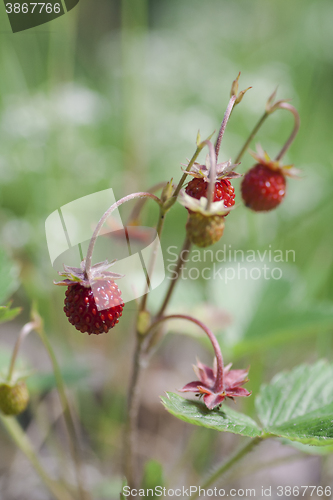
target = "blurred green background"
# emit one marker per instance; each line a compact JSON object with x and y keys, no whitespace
{"x":112,"y":95}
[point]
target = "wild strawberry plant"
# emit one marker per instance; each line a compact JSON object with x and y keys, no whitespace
{"x":296,"y":406}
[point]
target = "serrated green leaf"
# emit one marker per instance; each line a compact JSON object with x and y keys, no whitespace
{"x":299,"y":405}
{"x":224,"y":420}
{"x":306,"y":448}
{"x":7,"y":314}
{"x":8,"y":276}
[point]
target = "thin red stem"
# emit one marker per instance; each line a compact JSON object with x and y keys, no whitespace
{"x":212,"y":174}
{"x":289,"y":107}
{"x":106,"y":215}
{"x":224,"y":124}
{"x":219,"y":383}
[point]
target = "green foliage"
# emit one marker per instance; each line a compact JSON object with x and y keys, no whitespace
{"x":196,"y":413}
{"x":7,"y":314}
{"x":299,"y":405}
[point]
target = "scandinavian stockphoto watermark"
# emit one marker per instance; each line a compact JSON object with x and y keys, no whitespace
{"x":162,"y":491}
{"x":228,"y":264}
{"x":70,"y":228}
{"x":258,"y":492}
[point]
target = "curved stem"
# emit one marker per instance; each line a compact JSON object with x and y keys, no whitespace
{"x":219,"y":384}
{"x":141,"y":203}
{"x":189,"y":166}
{"x":23,"y":443}
{"x":27,"y":328}
{"x":224,"y":124}
{"x":106,"y":215}
{"x":228,"y":464}
{"x":292,"y":109}
{"x":251,"y":136}
{"x":185,"y":249}
{"x":272,"y":108}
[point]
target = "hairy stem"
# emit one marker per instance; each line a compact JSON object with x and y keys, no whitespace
{"x":289,"y":107}
{"x":22,"y":441}
{"x":219,"y":384}
{"x":212,"y":174}
{"x":141,"y":203}
{"x":189,"y":166}
{"x":224,"y":124}
{"x":109,"y":211}
{"x":228,"y":464}
{"x":251,"y":136}
{"x":133,"y":397}
{"x":186,"y":249}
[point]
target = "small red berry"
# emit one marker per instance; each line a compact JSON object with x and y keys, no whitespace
{"x":197,"y":188}
{"x":80,"y":306}
{"x":263,"y":188}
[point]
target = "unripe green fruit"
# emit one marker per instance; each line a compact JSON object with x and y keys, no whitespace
{"x":204,"y":230}
{"x":13,"y":398}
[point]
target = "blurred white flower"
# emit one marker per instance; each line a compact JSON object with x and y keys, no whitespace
{"x":29,"y":116}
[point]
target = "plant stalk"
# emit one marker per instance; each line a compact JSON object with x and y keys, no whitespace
{"x":219,"y":384}
{"x":150,"y":270}
{"x":106,"y":215}
{"x":134,"y":216}
{"x":74,"y":445}
{"x":27,"y":328}
{"x":133,"y":396}
{"x":289,"y":107}
{"x":22,"y":441}
{"x":251,"y":136}
{"x":132,"y":413}
{"x":224,"y":124}
{"x":212,"y":174}
{"x":189,"y":166}
{"x":228,"y":464}
{"x":185,"y":249}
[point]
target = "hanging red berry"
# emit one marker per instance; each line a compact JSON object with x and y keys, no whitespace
{"x":264,"y":185}
{"x":95,"y":305}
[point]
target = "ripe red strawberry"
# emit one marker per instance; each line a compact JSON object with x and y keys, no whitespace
{"x":263,"y":188}
{"x":205,"y":223}
{"x":197,"y":188}
{"x":264,"y":185}
{"x":94,"y":304}
{"x":81,"y":309}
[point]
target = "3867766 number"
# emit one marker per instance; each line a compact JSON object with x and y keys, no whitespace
{"x":307,"y":491}
{"x":31,"y":7}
